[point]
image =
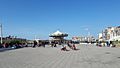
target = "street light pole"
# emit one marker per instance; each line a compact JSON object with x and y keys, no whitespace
{"x":1,"y":34}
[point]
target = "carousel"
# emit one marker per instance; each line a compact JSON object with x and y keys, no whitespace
{"x":58,"y":37}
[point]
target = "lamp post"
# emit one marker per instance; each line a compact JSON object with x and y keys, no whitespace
{"x":1,"y":34}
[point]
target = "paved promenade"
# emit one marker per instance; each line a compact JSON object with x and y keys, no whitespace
{"x":89,"y":56}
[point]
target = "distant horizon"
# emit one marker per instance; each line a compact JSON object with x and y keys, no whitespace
{"x":30,"y":18}
{"x":60,"y":31}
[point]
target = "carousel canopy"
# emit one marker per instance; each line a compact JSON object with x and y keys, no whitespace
{"x":58,"y":34}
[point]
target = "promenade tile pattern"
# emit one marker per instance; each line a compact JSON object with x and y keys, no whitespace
{"x":89,"y":56}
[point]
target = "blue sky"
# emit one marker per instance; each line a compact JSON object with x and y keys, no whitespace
{"x":30,"y":18}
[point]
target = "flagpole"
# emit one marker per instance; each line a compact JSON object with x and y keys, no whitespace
{"x":1,"y":34}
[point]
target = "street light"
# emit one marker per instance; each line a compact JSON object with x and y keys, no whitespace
{"x":1,"y":34}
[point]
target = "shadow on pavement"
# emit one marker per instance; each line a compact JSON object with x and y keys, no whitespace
{"x":7,"y":49}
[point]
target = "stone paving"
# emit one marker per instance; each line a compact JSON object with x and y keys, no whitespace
{"x":89,"y":56}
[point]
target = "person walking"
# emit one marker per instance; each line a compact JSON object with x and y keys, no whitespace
{"x":34,"y":44}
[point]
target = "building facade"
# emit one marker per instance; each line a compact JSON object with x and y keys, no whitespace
{"x":111,"y":33}
{"x":100,"y":37}
{"x":83,"y":39}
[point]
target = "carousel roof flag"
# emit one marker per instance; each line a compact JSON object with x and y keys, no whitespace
{"x":58,"y":34}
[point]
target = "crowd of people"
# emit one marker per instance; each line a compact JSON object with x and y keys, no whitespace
{"x":64,"y":46}
{"x":39,"y":44}
{"x":106,"y":44}
{"x":15,"y":45}
{"x":56,"y":44}
{"x":70,"y":45}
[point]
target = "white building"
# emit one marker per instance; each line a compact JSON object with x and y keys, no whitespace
{"x":83,"y":39}
{"x":111,"y":33}
{"x":100,"y":37}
